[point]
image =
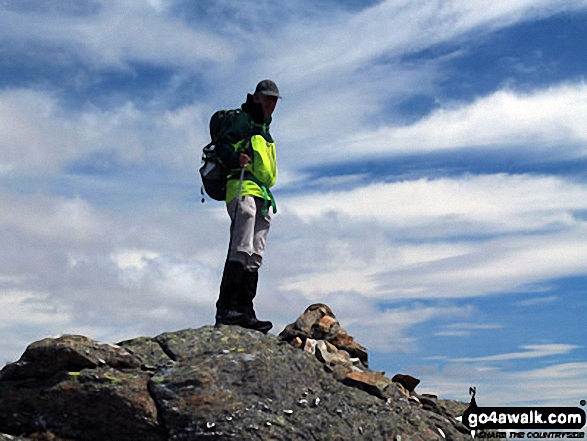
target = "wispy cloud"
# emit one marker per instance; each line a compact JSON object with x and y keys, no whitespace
{"x":538,"y":301}
{"x":529,"y":351}
{"x":543,"y":120}
{"x":112,"y":34}
{"x":43,"y":137}
{"x":466,"y":329}
{"x":389,"y":330}
{"x":555,"y":385}
{"x":494,"y":203}
{"x":348,"y":42}
{"x":120,"y":273}
{"x":410,"y":249}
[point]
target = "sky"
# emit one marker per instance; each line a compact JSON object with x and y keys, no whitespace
{"x":432,"y":180}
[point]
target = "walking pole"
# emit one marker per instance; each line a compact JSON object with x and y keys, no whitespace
{"x":233,"y":223}
{"x":240,"y":182}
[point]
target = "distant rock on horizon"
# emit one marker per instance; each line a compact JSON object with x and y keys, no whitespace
{"x":310,"y":383}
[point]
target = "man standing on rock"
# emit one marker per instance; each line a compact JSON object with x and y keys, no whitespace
{"x":248,"y":200}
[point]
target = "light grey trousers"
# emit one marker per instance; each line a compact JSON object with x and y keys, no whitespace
{"x":249,"y":231}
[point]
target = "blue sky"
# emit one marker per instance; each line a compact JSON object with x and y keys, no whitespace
{"x":432,"y":185}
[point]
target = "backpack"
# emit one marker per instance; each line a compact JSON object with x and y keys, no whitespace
{"x":214,"y":172}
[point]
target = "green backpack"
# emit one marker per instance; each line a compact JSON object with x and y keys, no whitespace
{"x":214,"y":172}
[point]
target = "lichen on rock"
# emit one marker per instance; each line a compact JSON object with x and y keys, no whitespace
{"x":215,"y":383}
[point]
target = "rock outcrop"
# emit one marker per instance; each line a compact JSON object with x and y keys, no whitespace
{"x":216,"y":383}
{"x":318,"y":332}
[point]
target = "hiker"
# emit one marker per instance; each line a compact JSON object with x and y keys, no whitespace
{"x":248,"y":199}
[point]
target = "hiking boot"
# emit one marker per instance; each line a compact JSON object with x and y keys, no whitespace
{"x":229,"y":317}
{"x":229,"y":297}
{"x":235,"y":301}
{"x":250,"y":281}
{"x":236,"y":318}
{"x":252,"y":322}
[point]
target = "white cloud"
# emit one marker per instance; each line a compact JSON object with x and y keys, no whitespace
{"x":506,"y":263}
{"x":160,"y":5}
{"x":492,"y":266}
{"x":115,"y":33}
{"x":24,"y":319}
{"x":493,"y":203}
{"x":528,"y":351}
{"x":42,"y":137}
{"x":34,"y":132}
{"x":560,"y":384}
{"x":380,"y":330}
{"x":137,"y":259}
{"x":388,"y":331}
{"x":397,"y":240}
{"x":69,"y":266}
{"x":465,"y":329}
{"x":537,"y":301}
{"x":349,"y":67}
{"x":550,"y":120}
{"x":558,"y":371}
{"x":554,"y":383}
{"x":329,"y":103}
{"x":67,"y":222}
{"x":328,"y":51}
{"x":318,"y":43}
{"x":19,"y":309}
{"x":349,"y":42}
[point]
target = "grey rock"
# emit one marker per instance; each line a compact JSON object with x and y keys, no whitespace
{"x":47,"y":357}
{"x":77,"y":388}
{"x":225,"y":383}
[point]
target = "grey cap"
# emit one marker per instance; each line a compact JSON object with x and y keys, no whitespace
{"x":267,"y":87}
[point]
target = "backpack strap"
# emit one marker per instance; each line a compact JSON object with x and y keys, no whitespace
{"x":267,"y":195}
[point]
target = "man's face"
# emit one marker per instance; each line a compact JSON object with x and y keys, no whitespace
{"x":268,"y":103}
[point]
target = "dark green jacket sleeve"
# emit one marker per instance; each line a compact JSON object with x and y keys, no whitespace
{"x":234,"y":139}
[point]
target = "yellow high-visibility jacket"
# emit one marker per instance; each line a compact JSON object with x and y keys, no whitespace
{"x":255,"y":140}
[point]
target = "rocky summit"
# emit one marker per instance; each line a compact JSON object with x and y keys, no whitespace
{"x":312,"y":382}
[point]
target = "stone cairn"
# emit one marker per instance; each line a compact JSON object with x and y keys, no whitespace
{"x":318,"y":332}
